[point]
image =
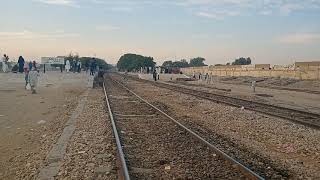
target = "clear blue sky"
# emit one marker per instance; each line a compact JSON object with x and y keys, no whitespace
{"x":269,"y":31}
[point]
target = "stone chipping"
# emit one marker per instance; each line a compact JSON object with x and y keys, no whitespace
{"x":91,"y":152}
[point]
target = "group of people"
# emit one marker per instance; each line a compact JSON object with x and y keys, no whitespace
{"x":29,"y":69}
{"x":206,"y":77}
{"x":31,"y":73}
{"x":74,"y":66}
{"x":23,"y":65}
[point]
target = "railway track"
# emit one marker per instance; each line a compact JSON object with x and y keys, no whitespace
{"x":153,"y":145}
{"x":306,"y":118}
{"x":279,"y":88}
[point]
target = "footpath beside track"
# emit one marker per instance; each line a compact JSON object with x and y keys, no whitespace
{"x":152,"y":144}
{"x":297,"y":116}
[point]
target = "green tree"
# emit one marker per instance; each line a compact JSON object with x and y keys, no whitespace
{"x":167,"y":64}
{"x":86,"y":61}
{"x":132,"y":62}
{"x":197,"y":62}
{"x":242,"y":61}
{"x":180,"y":64}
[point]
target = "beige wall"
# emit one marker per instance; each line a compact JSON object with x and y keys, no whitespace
{"x":312,"y":73}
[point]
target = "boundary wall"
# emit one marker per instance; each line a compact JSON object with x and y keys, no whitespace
{"x":291,"y":71}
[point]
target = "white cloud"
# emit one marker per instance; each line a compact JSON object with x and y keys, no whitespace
{"x":59,"y":2}
{"x":207,"y":8}
{"x":208,"y":15}
{"x":107,"y":28}
{"x":217,"y":15}
{"x":300,"y":38}
{"x":33,"y":35}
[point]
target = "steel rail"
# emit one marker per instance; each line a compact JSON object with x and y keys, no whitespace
{"x":116,"y":135}
{"x":280,"y":88}
{"x":301,"y":117}
{"x":297,"y":116}
{"x":246,"y":171}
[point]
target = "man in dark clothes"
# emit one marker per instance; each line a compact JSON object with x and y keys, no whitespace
{"x":30,"y":65}
{"x":74,"y":66}
{"x":21,"y":64}
{"x":93,"y":67}
{"x":155,"y":75}
{"x":87,"y":66}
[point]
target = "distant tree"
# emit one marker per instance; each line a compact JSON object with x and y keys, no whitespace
{"x":132,"y":62}
{"x":218,"y":65}
{"x":86,"y":60}
{"x":167,"y":64}
{"x":196,"y":62}
{"x":100,"y":62}
{"x":180,"y":64}
{"x":242,"y":61}
{"x":228,"y":64}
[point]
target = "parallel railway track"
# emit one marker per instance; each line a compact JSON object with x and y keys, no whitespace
{"x":153,"y":145}
{"x":297,"y":116}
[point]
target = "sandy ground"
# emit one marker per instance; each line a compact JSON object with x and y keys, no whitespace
{"x":31,"y":123}
{"x":272,"y":82}
{"x":240,"y":87}
{"x":296,"y":100}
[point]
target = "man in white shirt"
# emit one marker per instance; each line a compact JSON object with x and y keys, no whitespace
{"x":5,"y":59}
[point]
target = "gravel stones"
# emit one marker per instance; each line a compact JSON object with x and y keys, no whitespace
{"x":283,"y":143}
{"x":91,"y":150}
{"x":157,"y":148}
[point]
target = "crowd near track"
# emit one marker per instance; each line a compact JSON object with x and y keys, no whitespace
{"x":297,"y":116}
{"x":153,"y":145}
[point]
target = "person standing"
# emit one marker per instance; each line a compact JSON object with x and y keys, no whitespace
{"x":74,"y":66}
{"x":86,"y":66}
{"x":30,"y":65}
{"x":67,"y":66}
{"x":79,"y":66}
{"x":93,"y":67}
{"x":25,"y":67}
{"x":21,"y":64}
{"x":33,"y":77}
{"x":253,"y":86}
{"x":5,"y":60}
{"x":155,"y":75}
{"x":26,"y":72}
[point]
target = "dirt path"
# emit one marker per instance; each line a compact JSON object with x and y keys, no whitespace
{"x":30,"y":124}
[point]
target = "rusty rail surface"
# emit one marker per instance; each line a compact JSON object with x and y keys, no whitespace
{"x":124,"y":173}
